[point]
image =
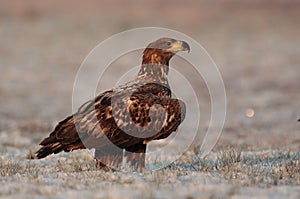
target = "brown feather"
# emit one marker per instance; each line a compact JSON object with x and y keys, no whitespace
{"x":128,"y":116}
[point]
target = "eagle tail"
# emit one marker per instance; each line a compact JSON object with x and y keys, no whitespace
{"x":63,"y":138}
{"x":48,"y":149}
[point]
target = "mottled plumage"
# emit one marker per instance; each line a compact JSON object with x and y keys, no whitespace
{"x":126,"y":117}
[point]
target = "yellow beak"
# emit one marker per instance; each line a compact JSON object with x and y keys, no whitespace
{"x":180,"y":46}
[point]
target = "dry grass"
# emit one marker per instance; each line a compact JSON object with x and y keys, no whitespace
{"x":228,"y":171}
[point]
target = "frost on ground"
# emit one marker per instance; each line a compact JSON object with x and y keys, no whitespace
{"x":224,"y":173}
{"x":256,"y":47}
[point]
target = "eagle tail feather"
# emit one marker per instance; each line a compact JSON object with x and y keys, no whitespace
{"x":63,"y":138}
{"x":49,"y":149}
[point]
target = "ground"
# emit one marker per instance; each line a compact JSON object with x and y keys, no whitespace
{"x":256,"y":47}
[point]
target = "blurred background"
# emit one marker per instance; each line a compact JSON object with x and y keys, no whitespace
{"x":256,"y":45}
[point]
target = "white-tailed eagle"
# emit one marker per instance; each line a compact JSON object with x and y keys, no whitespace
{"x":120,"y":122}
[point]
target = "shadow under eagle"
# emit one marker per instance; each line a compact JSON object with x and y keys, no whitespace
{"x":126,"y":117}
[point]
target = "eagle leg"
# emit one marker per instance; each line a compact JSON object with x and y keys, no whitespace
{"x":109,"y":160}
{"x":135,"y":156}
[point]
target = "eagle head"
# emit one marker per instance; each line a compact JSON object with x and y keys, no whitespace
{"x":163,"y":49}
{"x":169,"y":45}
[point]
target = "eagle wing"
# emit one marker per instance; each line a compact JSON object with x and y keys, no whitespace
{"x":120,"y":117}
{"x":157,"y":117}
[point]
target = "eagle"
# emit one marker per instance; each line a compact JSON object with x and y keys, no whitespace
{"x":120,"y":122}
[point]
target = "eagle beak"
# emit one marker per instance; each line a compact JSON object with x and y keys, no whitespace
{"x":180,"y":46}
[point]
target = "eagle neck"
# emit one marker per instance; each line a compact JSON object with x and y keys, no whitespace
{"x":154,"y":73}
{"x":155,"y":67}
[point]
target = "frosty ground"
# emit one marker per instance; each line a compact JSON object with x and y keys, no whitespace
{"x":224,"y":173}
